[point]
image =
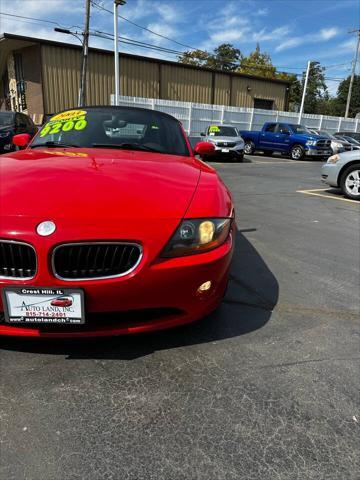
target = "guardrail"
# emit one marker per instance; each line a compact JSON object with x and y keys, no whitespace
{"x":196,"y":116}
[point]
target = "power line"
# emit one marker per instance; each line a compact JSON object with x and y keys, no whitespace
{"x":100,"y":7}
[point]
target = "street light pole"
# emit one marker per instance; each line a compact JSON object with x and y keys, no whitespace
{"x":116,"y":50}
{"x":82,"y":91}
{"x":304,"y":91}
{"x":352,"y":73}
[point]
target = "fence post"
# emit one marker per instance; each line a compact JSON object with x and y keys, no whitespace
{"x":356,"y":124}
{"x":339,"y":124}
{"x":189,"y":118}
{"x":153,"y":103}
{"x":277,"y":116}
{"x":251,"y":118}
{"x":321,"y":121}
{"x":222,"y":114}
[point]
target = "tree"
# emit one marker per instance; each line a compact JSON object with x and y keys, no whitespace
{"x":342,"y":93}
{"x":225,"y":57}
{"x":258,"y":63}
{"x":316,"y":88}
{"x":199,"y":58}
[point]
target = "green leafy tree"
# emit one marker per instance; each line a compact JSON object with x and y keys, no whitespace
{"x":225,"y":57}
{"x":342,"y":93}
{"x":316,"y":91}
{"x":199,"y":58}
{"x":258,"y":63}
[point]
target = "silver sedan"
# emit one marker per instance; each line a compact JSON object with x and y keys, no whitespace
{"x":343,"y":170}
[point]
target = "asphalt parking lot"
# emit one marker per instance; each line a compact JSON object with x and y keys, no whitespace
{"x":267,"y":387}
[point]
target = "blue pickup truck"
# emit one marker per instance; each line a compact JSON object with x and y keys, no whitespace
{"x":290,"y":139}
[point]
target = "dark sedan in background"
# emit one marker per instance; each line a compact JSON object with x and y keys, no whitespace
{"x":12,"y":123}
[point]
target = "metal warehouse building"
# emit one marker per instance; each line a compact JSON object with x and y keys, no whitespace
{"x":41,"y":77}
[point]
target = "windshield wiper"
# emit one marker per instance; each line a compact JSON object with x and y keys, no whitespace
{"x":126,"y":146}
{"x":51,"y":144}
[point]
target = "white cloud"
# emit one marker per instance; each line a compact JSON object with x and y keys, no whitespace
{"x":224,"y":36}
{"x":262,"y":12}
{"x":324,"y":35}
{"x":327,"y":33}
{"x":265,"y":35}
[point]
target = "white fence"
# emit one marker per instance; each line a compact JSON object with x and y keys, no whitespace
{"x":196,"y":116}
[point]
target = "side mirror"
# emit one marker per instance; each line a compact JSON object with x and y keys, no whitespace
{"x":204,"y":148}
{"x":202,"y":134}
{"x":21,"y":140}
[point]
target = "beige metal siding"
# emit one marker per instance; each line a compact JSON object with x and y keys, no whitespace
{"x":222,"y":89}
{"x":145,"y":78}
{"x":60,"y":73}
{"x":139,"y":78}
{"x":185,"y":84}
{"x":245,"y":90}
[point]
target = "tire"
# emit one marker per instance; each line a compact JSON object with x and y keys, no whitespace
{"x":238,"y":158}
{"x":350,"y":182}
{"x":297,"y":152}
{"x":249,"y":147}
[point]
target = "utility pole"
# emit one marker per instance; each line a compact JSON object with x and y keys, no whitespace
{"x":82,"y":91}
{"x":304,"y":91}
{"x":116,"y":50}
{"x":353,"y":72}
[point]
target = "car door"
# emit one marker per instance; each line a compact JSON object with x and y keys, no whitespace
{"x":267,"y":138}
{"x":282,"y":135}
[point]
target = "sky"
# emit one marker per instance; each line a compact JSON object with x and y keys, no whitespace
{"x":291,"y":31}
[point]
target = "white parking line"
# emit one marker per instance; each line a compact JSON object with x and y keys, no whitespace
{"x":314,"y":193}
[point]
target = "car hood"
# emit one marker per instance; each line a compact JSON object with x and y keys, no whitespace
{"x":225,"y":139}
{"x":349,"y":156}
{"x":86,"y":184}
{"x":306,"y":137}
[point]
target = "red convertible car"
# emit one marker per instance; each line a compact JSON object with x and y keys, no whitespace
{"x":110,"y":225}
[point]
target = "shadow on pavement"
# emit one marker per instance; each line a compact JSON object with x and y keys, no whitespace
{"x":251,"y":296}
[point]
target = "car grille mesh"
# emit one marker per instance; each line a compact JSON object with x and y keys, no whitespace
{"x":95,"y":260}
{"x":323,"y":143}
{"x":226,"y":144}
{"x":17,"y":260}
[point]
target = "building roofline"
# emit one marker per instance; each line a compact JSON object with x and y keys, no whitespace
{"x":33,"y":40}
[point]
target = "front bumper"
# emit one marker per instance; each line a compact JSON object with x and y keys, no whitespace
{"x":330,"y":174}
{"x":316,"y":152}
{"x":156,"y":295}
{"x":237,"y":150}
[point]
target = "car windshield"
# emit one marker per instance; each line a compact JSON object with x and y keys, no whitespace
{"x":327,"y":135}
{"x":114,"y":127}
{"x":222,"y":131}
{"x":300,"y":129}
{"x":6,"y":119}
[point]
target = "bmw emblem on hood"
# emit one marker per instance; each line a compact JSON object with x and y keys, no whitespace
{"x":46,"y":228}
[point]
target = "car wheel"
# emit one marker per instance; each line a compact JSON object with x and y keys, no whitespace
{"x":238,"y":157}
{"x":249,"y":148}
{"x":297,"y":152}
{"x":350,"y":182}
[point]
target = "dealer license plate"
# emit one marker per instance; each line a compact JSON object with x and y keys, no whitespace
{"x":42,"y":305}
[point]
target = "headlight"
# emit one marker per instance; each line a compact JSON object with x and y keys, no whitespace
{"x":337,"y":145}
{"x":197,"y":236}
{"x":311,"y":142}
{"x":4,"y":134}
{"x":333,"y":158}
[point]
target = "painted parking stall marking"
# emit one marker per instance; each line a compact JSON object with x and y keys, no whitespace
{"x":316,"y":193}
